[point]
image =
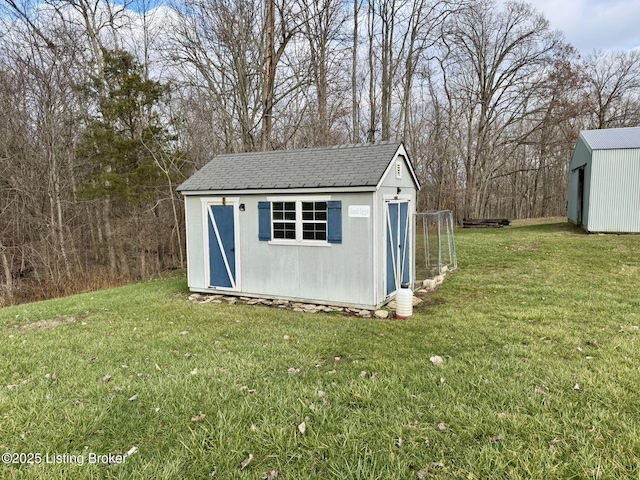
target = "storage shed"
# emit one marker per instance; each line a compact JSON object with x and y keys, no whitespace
{"x":604,"y":181}
{"x":323,"y":225}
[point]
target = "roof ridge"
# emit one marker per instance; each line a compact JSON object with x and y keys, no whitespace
{"x":307,"y":149}
{"x":609,"y":129}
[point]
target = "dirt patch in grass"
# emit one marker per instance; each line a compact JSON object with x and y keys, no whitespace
{"x":43,"y":324}
{"x":629,"y":270}
{"x":526,"y":247}
{"x":428,"y":301}
{"x":432,"y":302}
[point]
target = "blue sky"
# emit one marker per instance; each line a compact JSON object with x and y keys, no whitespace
{"x":595,"y":24}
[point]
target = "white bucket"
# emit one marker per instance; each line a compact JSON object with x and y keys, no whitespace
{"x":404,"y":303}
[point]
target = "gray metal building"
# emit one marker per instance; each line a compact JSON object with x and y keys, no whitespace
{"x":324,"y":225}
{"x":604,"y":181}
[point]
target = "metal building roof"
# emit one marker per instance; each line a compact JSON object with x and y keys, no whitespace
{"x":612,"y":138}
{"x":360,"y":165}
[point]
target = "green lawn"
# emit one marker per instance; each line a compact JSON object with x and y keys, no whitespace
{"x":538,"y":330}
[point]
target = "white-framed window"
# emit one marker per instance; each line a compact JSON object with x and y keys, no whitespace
{"x":301,"y":220}
{"x":283,"y":218}
{"x":314,"y":221}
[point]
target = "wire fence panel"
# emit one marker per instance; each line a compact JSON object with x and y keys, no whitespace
{"x":435,"y":244}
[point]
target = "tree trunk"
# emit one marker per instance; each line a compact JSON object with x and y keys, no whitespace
{"x":322,"y":89}
{"x":371,"y":134}
{"x":355,"y":109}
{"x":269,"y":76}
{"x":8,"y":280}
{"x":109,"y":236}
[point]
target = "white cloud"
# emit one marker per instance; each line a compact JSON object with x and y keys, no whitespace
{"x":594,"y":24}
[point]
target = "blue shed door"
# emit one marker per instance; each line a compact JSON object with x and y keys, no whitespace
{"x":398,"y":245}
{"x":222,"y":252}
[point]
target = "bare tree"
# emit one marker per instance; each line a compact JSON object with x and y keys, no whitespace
{"x":281,"y":24}
{"x":420,"y":37}
{"x":323,"y":23}
{"x":270,"y":62}
{"x":613,"y":88}
{"x":214,"y":45}
{"x":52,"y":236}
{"x":497,"y":64}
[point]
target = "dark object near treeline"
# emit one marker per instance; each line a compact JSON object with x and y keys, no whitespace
{"x":485,"y":222}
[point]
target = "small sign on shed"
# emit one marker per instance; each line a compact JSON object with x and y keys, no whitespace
{"x":359,"y":211}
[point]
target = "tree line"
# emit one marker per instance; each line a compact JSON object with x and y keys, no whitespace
{"x":105,"y":108}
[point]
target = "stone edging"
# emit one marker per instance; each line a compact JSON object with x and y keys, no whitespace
{"x":386,"y":312}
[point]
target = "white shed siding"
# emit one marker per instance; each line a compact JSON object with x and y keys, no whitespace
{"x":195,"y":242}
{"x":614,"y":204}
{"x":337,"y":273}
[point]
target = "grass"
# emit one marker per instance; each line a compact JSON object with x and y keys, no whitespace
{"x":533,"y":311}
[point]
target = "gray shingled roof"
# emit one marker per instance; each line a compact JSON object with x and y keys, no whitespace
{"x":612,"y":138}
{"x":360,"y":165}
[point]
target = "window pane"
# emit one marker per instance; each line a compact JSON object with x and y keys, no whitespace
{"x":314,"y":211}
{"x":284,"y":217}
{"x":314,"y":231}
{"x":314,"y":217}
{"x":314,"y":235}
{"x":284,"y":230}
{"x":278,"y":230}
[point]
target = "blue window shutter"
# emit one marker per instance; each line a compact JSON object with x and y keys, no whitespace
{"x":334,"y":221}
{"x":264,"y":221}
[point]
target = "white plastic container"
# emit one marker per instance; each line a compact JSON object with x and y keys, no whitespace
{"x":404,"y":303}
